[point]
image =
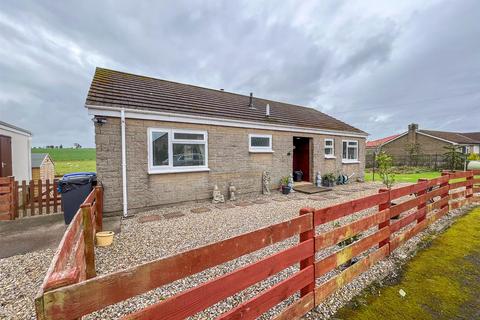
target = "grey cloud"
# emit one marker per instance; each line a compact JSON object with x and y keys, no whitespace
{"x":376,"y":68}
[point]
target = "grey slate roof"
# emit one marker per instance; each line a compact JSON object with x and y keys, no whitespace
{"x":457,"y":137}
{"x":118,"y":89}
{"x":37,"y":159}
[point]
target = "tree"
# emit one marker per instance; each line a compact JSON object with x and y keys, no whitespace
{"x":385,"y":170}
{"x":453,"y":157}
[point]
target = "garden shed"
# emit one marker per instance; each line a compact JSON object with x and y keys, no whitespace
{"x":43,"y":167}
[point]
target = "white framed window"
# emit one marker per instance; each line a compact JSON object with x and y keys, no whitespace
{"x":260,"y":143}
{"x":177,"y":150}
{"x":349,"y":151}
{"x":329,"y":148}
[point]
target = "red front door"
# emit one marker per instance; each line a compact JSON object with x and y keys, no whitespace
{"x":301,"y":156}
{"x":5,"y":156}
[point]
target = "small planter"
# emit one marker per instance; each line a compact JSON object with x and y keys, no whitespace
{"x":328,"y":184}
{"x":286,"y":189}
{"x":104,"y":238}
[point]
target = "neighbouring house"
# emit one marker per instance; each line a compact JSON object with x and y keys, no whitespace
{"x":431,"y":142}
{"x":180,"y":140}
{"x":374,"y":146}
{"x":43,"y":167}
{"x":15,"y":152}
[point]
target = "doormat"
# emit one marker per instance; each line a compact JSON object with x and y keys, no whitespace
{"x":311,"y":189}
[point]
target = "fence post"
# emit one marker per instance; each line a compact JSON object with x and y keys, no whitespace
{"x":88,"y":239}
{"x":422,"y":205}
{"x":446,"y":194}
{"x":381,"y":207}
{"x":99,"y":207}
{"x":469,"y":188}
{"x":305,"y":236}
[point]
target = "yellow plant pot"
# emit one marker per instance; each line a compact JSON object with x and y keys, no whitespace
{"x":104,"y":238}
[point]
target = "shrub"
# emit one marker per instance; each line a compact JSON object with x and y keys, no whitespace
{"x":385,"y":169}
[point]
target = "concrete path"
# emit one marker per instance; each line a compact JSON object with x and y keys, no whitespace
{"x":38,"y":233}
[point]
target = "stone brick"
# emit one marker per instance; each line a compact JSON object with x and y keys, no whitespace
{"x":228,"y":158}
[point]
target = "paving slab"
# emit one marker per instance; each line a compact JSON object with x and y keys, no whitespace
{"x":200,"y":210}
{"x":243,"y":204}
{"x":172,"y":215}
{"x":150,"y":218}
{"x":226,"y":205}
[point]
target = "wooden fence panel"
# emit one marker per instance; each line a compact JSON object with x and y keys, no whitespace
{"x":205,"y":295}
{"x":102,"y":291}
{"x":258,"y":305}
{"x":73,"y":295}
{"x":36,"y":198}
{"x":7,"y":198}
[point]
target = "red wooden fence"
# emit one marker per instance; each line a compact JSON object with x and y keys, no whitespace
{"x":6,"y":198}
{"x":415,"y":208}
{"x":74,"y":260}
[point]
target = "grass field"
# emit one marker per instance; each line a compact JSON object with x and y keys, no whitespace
{"x":405,"y":177}
{"x":69,"y":160}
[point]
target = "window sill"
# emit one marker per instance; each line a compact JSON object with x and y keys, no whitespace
{"x":350,"y":161}
{"x":330,"y":157}
{"x":261,"y":151}
{"x":177,"y":170}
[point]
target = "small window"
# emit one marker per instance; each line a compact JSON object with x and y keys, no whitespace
{"x":260,"y":143}
{"x":173,"y":150}
{"x":349,"y":151}
{"x":329,"y":148}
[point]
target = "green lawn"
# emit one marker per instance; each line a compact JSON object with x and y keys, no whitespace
{"x":405,"y":177}
{"x":69,"y":160}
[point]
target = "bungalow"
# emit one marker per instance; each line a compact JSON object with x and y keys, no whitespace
{"x":161,"y":142}
{"x":431,"y":142}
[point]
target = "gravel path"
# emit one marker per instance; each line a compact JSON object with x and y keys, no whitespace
{"x":142,"y":242}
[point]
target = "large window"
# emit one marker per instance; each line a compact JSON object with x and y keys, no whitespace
{"x":172,"y":150}
{"x":350,"y":151}
{"x":260,"y":143}
{"x":329,"y":148}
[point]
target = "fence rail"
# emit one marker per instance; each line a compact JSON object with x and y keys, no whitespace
{"x":415,"y":207}
{"x":74,"y":260}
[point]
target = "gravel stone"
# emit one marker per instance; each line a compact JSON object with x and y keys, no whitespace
{"x":21,"y":276}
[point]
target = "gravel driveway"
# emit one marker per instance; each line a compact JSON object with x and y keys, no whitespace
{"x":180,"y":230}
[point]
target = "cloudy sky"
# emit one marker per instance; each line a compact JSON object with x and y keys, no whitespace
{"x":377,"y":65}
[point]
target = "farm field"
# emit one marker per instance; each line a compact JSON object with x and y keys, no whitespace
{"x":69,"y":160}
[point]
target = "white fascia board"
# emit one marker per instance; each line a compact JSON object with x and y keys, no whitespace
{"x":105,"y":111}
{"x":8,"y":128}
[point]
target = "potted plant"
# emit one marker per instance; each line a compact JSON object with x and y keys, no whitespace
{"x":328,"y":180}
{"x":284,"y":185}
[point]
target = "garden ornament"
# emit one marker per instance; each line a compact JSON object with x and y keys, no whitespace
{"x":266,"y":182}
{"x":217,"y":196}
{"x":232,"y":190}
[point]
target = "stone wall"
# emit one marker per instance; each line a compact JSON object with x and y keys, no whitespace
{"x":428,"y":146}
{"x":228,"y":159}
